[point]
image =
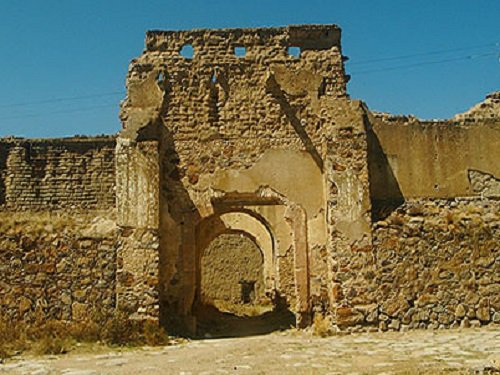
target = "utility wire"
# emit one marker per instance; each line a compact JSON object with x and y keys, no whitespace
{"x":437,"y":52}
{"x":63,"y":99}
{"x":371,"y":61}
{"x":59,"y":112}
{"x":469,"y":57}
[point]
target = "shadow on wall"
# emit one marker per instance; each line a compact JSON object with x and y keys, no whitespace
{"x":385,"y":192}
{"x":180,"y":263}
{"x":178,"y":218}
{"x":4,"y":152}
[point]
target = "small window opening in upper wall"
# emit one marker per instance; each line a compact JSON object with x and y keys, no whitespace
{"x":240,"y":51}
{"x":294,"y":51}
{"x":187,"y":51}
{"x":160,"y":78}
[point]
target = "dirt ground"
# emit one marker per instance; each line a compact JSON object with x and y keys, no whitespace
{"x":291,"y":352}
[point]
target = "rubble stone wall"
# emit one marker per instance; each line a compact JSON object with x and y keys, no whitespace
{"x":434,"y":264}
{"x":379,"y":221}
{"x":226,"y":125}
{"x":57,"y":173}
{"x":57,"y":265}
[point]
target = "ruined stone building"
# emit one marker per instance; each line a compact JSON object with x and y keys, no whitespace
{"x":245,"y":173}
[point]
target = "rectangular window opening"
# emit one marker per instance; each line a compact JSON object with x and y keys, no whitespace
{"x":294,"y":52}
{"x":240,"y":51}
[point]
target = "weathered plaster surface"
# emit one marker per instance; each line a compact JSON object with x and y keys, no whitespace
{"x":379,"y":221}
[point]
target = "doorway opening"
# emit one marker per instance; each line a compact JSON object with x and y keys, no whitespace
{"x":232,"y":299}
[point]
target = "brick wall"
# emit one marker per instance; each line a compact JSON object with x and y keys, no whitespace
{"x":57,"y":174}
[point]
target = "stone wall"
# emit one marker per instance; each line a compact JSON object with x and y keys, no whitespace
{"x":4,"y":153}
{"x":57,"y":265}
{"x":57,"y":173}
{"x":225,"y":125}
{"x":434,"y":264}
{"x":229,"y":260}
{"x":379,"y":221}
{"x":57,"y":252}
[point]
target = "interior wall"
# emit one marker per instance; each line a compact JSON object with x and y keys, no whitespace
{"x":230,"y":260}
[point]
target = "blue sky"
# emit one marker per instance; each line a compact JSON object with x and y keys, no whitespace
{"x":53,"y":49}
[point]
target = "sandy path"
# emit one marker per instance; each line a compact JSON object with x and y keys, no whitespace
{"x":423,"y":352}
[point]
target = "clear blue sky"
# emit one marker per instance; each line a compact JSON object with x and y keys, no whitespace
{"x":52,"y":49}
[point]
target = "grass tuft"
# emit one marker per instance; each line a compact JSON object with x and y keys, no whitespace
{"x":322,"y":325}
{"x":59,"y":337}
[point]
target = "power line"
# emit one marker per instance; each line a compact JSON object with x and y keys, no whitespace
{"x":58,"y":112}
{"x":116,"y":93}
{"x":468,"y":57}
{"x":436,"y":52}
{"x":63,"y":99}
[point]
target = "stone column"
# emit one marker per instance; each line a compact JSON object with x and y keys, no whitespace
{"x":348,"y":206}
{"x":137,"y":184}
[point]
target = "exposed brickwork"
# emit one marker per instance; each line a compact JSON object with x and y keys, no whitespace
{"x":222,"y":122}
{"x":377,"y":221}
{"x":4,"y":153}
{"x":57,"y":174}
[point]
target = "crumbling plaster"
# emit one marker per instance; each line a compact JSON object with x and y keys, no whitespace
{"x":378,"y":221}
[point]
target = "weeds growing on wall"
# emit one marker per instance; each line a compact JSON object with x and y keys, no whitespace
{"x":57,"y":337}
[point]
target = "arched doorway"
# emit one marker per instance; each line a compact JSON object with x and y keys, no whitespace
{"x":236,"y":290}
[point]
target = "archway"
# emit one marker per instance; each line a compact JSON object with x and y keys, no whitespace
{"x":236,"y":290}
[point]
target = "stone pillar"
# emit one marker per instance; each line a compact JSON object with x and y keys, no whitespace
{"x":137,"y":184}
{"x":348,"y":205}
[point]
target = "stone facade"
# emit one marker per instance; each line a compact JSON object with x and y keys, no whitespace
{"x":379,"y":221}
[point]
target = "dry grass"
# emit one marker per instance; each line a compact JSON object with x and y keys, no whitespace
{"x":242,"y":310}
{"x":33,"y":223}
{"x":12,"y":339}
{"x":46,"y":223}
{"x":57,"y":337}
{"x":322,"y":325}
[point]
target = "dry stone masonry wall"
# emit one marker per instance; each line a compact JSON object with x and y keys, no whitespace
{"x":434,"y":264}
{"x":57,"y":266}
{"x":437,"y":264}
{"x":380,"y":222}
